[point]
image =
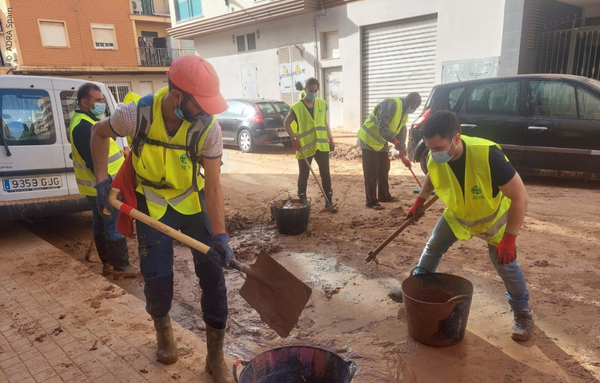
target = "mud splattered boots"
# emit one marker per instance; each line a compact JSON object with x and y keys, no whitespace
{"x":119,"y":257}
{"x":215,"y":360}
{"x":101,"y":247}
{"x":522,"y":325}
{"x":167,"y":349}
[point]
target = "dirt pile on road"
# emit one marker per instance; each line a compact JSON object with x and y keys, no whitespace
{"x":238,"y":222}
{"x":346,"y":152}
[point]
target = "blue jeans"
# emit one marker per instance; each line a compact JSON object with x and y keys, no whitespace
{"x":442,"y":238}
{"x":156,"y":264}
{"x":101,"y":226}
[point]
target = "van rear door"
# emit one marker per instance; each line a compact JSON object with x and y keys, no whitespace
{"x":32,"y":164}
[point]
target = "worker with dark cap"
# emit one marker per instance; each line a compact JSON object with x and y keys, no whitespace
{"x":387,"y":123}
{"x":174,"y":132}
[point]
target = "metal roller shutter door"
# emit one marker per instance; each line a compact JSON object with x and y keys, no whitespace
{"x":398,"y":58}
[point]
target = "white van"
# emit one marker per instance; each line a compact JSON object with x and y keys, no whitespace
{"x":36,"y":170}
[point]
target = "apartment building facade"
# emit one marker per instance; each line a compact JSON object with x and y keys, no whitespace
{"x":122,"y":43}
{"x":364,"y":51}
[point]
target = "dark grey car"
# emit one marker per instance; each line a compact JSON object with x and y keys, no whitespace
{"x":546,"y":124}
{"x":248,"y":123}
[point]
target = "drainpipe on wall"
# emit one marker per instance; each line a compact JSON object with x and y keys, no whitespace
{"x":316,"y":63}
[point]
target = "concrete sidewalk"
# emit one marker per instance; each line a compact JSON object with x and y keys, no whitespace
{"x":60,"y":322}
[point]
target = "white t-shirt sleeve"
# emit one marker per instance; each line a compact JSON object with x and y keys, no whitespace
{"x":123,"y":120}
{"x":213,"y":144}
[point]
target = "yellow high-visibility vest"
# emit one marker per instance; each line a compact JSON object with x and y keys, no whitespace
{"x":84,"y":176}
{"x":369,"y":132}
{"x":165,"y":173}
{"x":476,"y":212}
{"x":311,"y":132}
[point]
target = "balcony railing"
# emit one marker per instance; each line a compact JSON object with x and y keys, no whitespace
{"x":161,"y":56}
{"x":151,"y":7}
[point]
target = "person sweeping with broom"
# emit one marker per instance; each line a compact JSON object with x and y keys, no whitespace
{"x":307,"y":126}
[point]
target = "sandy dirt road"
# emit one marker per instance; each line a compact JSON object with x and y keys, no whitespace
{"x":349,"y":312}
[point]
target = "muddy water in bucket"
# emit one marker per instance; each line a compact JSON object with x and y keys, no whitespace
{"x":437,"y":307}
{"x":291,"y":216}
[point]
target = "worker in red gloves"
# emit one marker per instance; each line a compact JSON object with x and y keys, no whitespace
{"x":387,"y":123}
{"x":308,"y":127}
{"x":485,"y":197}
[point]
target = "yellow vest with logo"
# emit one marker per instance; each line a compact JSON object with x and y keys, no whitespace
{"x":369,"y":132}
{"x":84,"y":176}
{"x":311,"y":132}
{"x":164,"y":175}
{"x":476,"y":212}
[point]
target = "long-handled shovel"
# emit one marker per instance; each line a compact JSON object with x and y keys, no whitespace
{"x":410,"y":168}
{"x":275,"y":293}
{"x":330,"y":203}
{"x":373,"y":253}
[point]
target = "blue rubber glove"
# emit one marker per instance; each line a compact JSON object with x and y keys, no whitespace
{"x":220,"y":252}
{"x":102,"y":191}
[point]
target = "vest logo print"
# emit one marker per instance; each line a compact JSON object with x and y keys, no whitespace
{"x":476,"y":190}
{"x":183,"y":159}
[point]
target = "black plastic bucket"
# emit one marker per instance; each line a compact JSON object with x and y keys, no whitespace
{"x":296,"y":364}
{"x":291,"y":221}
{"x":437,"y":307}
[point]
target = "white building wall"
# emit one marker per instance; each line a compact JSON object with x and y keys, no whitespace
{"x":215,"y":8}
{"x":467,"y":29}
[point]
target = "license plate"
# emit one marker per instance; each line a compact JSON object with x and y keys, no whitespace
{"x":32,"y":183}
{"x":282,"y":134}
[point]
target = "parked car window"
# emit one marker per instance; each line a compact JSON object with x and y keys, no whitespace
{"x":236,"y":109}
{"x":500,"y":98}
{"x":68,"y":101}
{"x":589,"y":105}
{"x":27,"y":117}
{"x":266,"y":108}
{"x":282,"y":108}
{"x":552,"y":99}
{"x":454,"y":96}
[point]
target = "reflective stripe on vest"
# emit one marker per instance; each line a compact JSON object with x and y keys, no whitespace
{"x":369,"y":132}
{"x":84,"y":177}
{"x":474,"y":212}
{"x":164,"y":174}
{"x":311,"y":132}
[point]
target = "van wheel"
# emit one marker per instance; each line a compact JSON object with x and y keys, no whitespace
{"x":423,"y":160}
{"x":245,"y":141}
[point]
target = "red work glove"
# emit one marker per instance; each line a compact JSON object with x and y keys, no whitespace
{"x":398,"y":147}
{"x":296,"y":144}
{"x":331,"y":145}
{"x":507,"y":250}
{"x":415,"y":210}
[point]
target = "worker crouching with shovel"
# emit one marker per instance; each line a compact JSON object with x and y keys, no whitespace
{"x":174,"y":131}
{"x":485,"y":197}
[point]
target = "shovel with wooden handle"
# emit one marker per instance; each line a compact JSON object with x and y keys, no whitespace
{"x":275,"y":293}
{"x":371,"y":255}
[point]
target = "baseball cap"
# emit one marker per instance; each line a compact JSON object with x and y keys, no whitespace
{"x":196,"y":76}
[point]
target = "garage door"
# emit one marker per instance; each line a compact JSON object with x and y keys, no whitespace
{"x":398,"y":58}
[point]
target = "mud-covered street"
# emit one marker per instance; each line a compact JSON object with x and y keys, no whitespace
{"x":349,"y":312}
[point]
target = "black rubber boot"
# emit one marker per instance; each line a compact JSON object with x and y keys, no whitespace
{"x":119,"y":258}
{"x":102,"y":248}
{"x":302,"y":197}
{"x":329,"y":202}
{"x":167,"y":349}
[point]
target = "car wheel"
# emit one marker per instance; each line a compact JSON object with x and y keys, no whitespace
{"x":245,"y":141}
{"x":423,"y":160}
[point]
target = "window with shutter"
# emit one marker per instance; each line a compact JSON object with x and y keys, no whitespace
{"x":251,"y":41}
{"x":54,"y":34}
{"x":241,"y":43}
{"x":104,"y":36}
{"x":331,"y":45}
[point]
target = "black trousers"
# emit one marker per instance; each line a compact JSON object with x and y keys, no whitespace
{"x":322,"y":159}
{"x":376,"y":168}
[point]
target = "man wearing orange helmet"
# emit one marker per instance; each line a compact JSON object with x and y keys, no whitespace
{"x":173,"y":133}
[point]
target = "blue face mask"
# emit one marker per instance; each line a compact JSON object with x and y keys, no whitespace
{"x":443,"y":157}
{"x":409,"y":110}
{"x":311,"y":96}
{"x":179,"y":112}
{"x":99,"y":108}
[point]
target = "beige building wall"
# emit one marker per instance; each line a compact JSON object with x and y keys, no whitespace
{"x":136,"y":82}
{"x":160,"y":28}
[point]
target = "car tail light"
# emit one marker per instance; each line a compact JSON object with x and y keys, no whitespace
{"x":421,"y":118}
{"x":258,"y":118}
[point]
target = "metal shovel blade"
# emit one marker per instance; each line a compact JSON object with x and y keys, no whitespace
{"x":275,"y":293}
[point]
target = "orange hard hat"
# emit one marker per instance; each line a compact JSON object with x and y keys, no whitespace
{"x":196,"y":76}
